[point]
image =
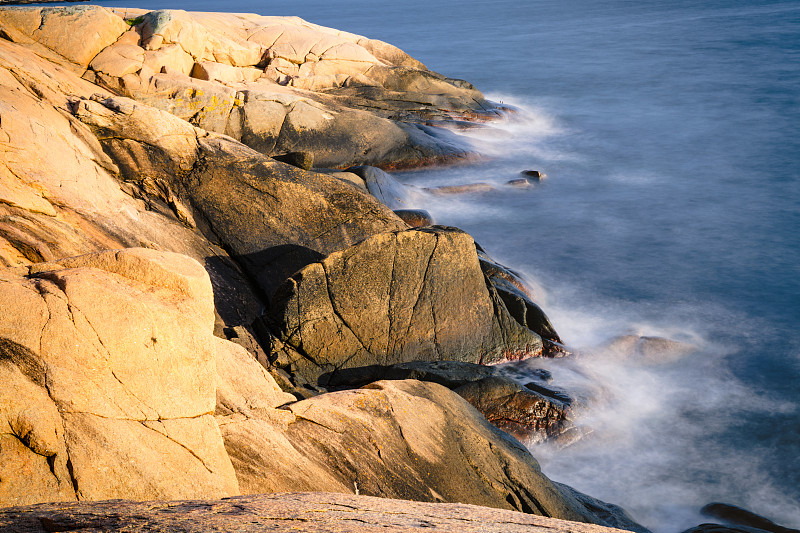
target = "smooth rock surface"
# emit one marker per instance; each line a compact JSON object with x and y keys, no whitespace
{"x":395,"y":439}
{"x":305,"y":512}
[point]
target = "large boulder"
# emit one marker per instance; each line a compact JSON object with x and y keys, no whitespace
{"x":413,"y":295}
{"x":54,"y":27}
{"x":100,"y":409}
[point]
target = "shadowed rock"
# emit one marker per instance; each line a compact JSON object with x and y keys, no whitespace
{"x":737,"y":517}
{"x":304,"y":160}
{"x":518,"y":299}
{"x":451,"y":374}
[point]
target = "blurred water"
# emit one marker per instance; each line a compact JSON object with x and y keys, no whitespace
{"x":670,"y":132}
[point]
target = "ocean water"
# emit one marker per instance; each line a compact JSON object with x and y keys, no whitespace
{"x":670,"y":134}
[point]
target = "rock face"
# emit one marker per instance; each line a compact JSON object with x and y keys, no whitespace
{"x":114,"y":411}
{"x":304,"y":512}
{"x":99,"y":409}
{"x":396,"y":297}
{"x":62,"y":195}
{"x":278,"y":84}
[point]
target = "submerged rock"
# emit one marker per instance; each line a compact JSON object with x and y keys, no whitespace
{"x":461,"y":189}
{"x":522,"y":183}
{"x":641,"y":349}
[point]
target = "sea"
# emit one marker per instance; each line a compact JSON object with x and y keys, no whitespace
{"x":669,"y":131}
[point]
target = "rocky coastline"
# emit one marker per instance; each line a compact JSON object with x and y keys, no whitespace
{"x":211,"y":290}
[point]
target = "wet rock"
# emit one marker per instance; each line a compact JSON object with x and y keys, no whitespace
{"x":501,"y":275}
{"x":413,"y":295}
{"x":718,"y":528}
{"x":737,"y":516}
{"x":531,"y":415}
{"x":304,"y":160}
{"x":647,"y":350}
{"x":416,"y":218}
{"x":541,"y":374}
{"x":461,"y":189}
{"x":551,"y":392}
{"x":298,"y":512}
{"x":518,"y":299}
{"x":612,"y":515}
{"x":534,"y":176}
{"x":522,"y":183}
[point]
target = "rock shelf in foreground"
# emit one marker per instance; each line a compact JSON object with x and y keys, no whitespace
{"x":303,"y":512}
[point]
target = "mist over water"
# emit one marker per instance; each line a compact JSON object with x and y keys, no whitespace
{"x":670,"y":138}
{"x":670,"y":134}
